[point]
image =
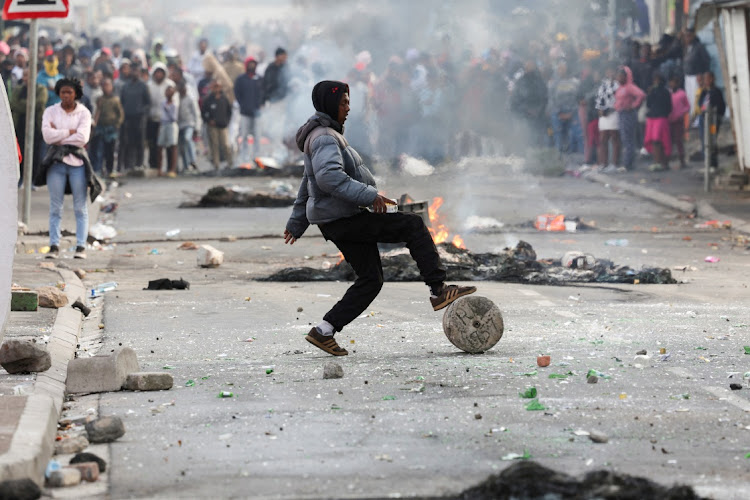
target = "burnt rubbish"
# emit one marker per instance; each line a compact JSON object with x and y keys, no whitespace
{"x":220,"y":196}
{"x":516,"y":265}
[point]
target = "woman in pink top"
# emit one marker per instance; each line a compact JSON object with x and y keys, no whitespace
{"x":66,"y":127}
{"x":680,"y":107}
{"x":628,"y":98}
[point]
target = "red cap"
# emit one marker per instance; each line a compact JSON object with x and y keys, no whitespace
{"x":49,"y":52}
{"x":106,"y":50}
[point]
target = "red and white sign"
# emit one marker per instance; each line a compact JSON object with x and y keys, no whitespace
{"x":32,"y":9}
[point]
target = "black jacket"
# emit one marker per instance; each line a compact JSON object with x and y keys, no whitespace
{"x":716,"y":98}
{"x":696,"y":60}
{"x":275,"y":82}
{"x":55,"y":154}
{"x":135,"y":99}
{"x":530,"y":95}
{"x":659,"y":102}
{"x":249,"y":94}
{"x":218,"y":110}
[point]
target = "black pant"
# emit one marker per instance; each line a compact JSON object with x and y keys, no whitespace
{"x":357,"y":237}
{"x":131,"y":142}
{"x":152,"y":135}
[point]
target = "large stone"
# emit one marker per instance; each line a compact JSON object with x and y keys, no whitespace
{"x":23,"y":355}
{"x":148,"y":381}
{"x":24,"y":300}
{"x":208,"y":256}
{"x":20,"y":489}
{"x":101,"y":373}
{"x":473,"y":324}
{"x":89,"y":470}
{"x":89,"y":457}
{"x":53,"y":297}
{"x":333,"y":370}
{"x":105,"y":429}
{"x":64,"y":477}
{"x":70,"y":445}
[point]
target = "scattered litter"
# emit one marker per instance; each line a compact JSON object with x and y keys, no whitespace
{"x":663,"y":350}
{"x":542,"y":361}
{"x":598,"y":437}
{"x":560,"y":375}
{"x":665,"y":357}
{"x":515,"y":456}
{"x":188,"y":245}
{"x":581,"y":432}
{"x":642,"y":352}
{"x":477,"y":223}
{"x":389,"y":398}
{"x":208,"y":256}
{"x":680,"y":396}
{"x":225,"y":394}
{"x":617,"y":243}
{"x":102,"y":232}
{"x":535,"y":405}
{"x":592,"y":379}
{"x":190,"y":383}
{"x":172,"y":233}
{"x":103,"y":288}
{"x":167,"y":284}
{"x":384,"y":458}
{"x":747,"y":349}
{"x":529,"y":393}
{"x":550,"y":222}
{"x":711,"y":259}
{"x":598,"y":374}
{"x":225,"y":437}
{"x":526,"y":374}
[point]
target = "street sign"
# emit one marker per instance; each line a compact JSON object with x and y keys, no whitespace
{"x":34,"y":9}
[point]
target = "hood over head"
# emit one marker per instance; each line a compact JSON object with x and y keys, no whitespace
{"x":317,"y":120}
{"x":628,"y":75}
{"x":159,"y":65}
{"x":326,"y":96}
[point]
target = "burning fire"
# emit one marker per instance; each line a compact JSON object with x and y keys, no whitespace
{"x":438,"y":230}
{"x":341,"y":258}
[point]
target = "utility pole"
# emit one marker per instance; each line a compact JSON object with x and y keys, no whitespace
{"x":613,"y":29}
{"x":28,"y":155}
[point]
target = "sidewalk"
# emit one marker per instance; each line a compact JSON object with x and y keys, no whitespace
{"x":30,"y":404}
{"x":683,"y":190}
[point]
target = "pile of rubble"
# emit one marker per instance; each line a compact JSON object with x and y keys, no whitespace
{"x":517,"y":265}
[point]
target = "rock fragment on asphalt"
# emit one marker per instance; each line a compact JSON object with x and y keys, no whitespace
{"x":208,"y":256}
{"x":148,"y":381}
{"x":80,"y":273}
{"x":333,"y":370}
{"x":70,"y":445}
{"x":20,"y":489}
{"x":101,"y":373}
{"x":735,"y":387}
{"x":24,"y":355}
{"x":89,"y":470}
{"x":52,"y":297}
{"x":66,"y":476}
{"x":592,"y":379}
{"x":642,"y":352}
{"x":598,"y":437}
{"x":89,"y":457}
{"x":105,"y":429}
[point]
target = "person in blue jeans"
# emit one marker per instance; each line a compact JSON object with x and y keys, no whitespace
{"x":66,"y":127}
{"x":564,"y":96}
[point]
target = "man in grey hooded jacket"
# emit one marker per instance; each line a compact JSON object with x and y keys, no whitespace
{"x":338,"y":193}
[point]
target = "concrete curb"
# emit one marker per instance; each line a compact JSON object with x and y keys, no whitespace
{"x":33,"y":439}
{"x":643,"y":192}
{"x":701,"y":208}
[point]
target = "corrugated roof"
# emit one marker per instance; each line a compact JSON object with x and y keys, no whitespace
{"x":707,"y":12}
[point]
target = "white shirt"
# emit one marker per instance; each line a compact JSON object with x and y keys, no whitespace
{"x":79,"y":120}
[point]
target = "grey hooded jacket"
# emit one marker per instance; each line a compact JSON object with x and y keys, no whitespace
{"x":336,"y":184}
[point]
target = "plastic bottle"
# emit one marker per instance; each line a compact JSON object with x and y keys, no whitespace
{"x":52,"y":466}
{"x":617,"y":243}
{"x":102,"y":288}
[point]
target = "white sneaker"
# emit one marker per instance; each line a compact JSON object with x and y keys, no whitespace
{"x":80,"y":253}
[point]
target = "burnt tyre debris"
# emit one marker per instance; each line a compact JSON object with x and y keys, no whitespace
{"x":220,"y":196}
{"x":515,"y":265}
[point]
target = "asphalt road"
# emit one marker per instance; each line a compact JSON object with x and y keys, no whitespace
{"x":412,"y":415}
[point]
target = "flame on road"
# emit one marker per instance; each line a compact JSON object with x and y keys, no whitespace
{"x":438,"y":230}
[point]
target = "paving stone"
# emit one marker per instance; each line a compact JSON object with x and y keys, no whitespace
{"x":105,"y":429}
{"x":20,"y":489}
{"x":208,"y":256}
{"x":53,"y":297}
{"x":148,"y":381}
{"x":73,"y":444}
{"x":89,"y":457}
{"x":64,"y":477}
{"x":89,"y":470}
{"x":22,"y":355}
{"x":24,"y":300}
{"x":101,"y":373}
{"x":332,"y":370}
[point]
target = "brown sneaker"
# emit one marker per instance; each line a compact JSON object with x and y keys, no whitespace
{"x":325,"y":343}
{"x":448,"y":294}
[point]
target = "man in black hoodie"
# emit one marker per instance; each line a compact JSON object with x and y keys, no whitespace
{"x":338,"y":193}
{"x":711,"y":97}
{"x":136,"y":102}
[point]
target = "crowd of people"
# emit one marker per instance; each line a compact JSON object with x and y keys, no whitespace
{"x":161,"y":111}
